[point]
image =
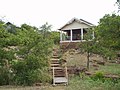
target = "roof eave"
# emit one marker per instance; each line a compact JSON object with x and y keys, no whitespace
{"x":79,"y":21}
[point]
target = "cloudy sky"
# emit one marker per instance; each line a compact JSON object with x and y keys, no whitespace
{"x":55,"y":12}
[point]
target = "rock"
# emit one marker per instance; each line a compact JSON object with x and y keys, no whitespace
{"x":94,"y":60}
{"x":96,"y":68}
{"x":112,"y":76}
{"x":95,"y":65}
{"x":101,"y":62}
{"x":112,"y":61}
{"x":72,"y":51}
{"x":88,"y":73}
{"x":37,"y":84}
{"x":76,"y":70}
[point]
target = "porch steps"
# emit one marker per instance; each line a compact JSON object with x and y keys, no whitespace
{"x":58,"y":72}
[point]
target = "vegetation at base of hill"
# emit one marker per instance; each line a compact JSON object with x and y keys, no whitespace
{"x":83,"y":82}
{"x":24,"y":53}
{"x":94,"y":83}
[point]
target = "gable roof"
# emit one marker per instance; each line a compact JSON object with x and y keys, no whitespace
{"x":77,"y":20}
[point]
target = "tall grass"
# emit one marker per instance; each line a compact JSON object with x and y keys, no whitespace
{"x":76,"y":83}
{"x":110,"y":68}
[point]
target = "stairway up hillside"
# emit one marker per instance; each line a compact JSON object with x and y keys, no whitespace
{"x":59,"y":73}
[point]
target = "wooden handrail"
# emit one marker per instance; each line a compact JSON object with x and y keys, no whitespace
{"x":66,"y":73}
{"x":53,"y":75}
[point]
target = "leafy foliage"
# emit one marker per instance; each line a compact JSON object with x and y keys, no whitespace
{"x":45,"y":30}
{"x":24,"y":55}
{"x":89,"y":45}
{"x":55,"y":36}
{"x":118,"y":3}
{"x":107,"y":40}
{"x":98,"y":76}
{"x":108,"y":35}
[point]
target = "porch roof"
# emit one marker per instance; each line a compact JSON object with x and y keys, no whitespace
{"x":80,"y":21}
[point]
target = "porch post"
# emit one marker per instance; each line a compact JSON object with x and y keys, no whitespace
{"x":71,"y":35}
{"x":81,"y":33}
{"x":60,"y":35}
{"x":93,"y":34}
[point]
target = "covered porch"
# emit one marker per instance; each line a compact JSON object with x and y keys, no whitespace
{"x":75,"y":31}
{"x":74,"y":35}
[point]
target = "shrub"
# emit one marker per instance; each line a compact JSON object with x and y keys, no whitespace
{"x":98,"y":76}
{"x":75,"y":83}
{"x":26,"y":73}
{"x":32,"y":55}
{"x":4,"y":78}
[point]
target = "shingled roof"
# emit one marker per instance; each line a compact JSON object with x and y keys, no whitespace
{"x":79,"y":21}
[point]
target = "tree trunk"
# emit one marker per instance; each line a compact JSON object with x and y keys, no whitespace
{"x":88,"y":59}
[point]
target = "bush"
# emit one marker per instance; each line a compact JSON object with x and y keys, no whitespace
{"x":26,"y":73}
{"x":4,"y":76}
{"x":98,"y":76}
{"x":31,"y":56}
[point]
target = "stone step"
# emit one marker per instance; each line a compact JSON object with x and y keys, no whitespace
{"x":59,"y":71}
{"x":60,"y":80}
{"x":56,"y":62}
{"x":55,"y":65}
{"x":56,"y":71}
{"x":54,"y":59}
{"x":59,"y":74}
{"x":55,"y":56}
{"x":56,"y":68}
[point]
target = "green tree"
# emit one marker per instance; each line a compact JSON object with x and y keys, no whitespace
{"x":35,"y":52}
{"x":6,"y":55}
{"x":89,"y":45}
{"x":55,"y":36}
{"x":24,"y":55}
{"x":45,"y":30}
{"x":108,"y":34}
{"x":118,"y":3}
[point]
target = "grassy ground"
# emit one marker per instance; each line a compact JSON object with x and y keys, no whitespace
{"x":48,"y":87}
{"x":110,"y":68}
{"x":88,"y":84}
{"x":75,"y":83}
{"x":76,"y":59}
